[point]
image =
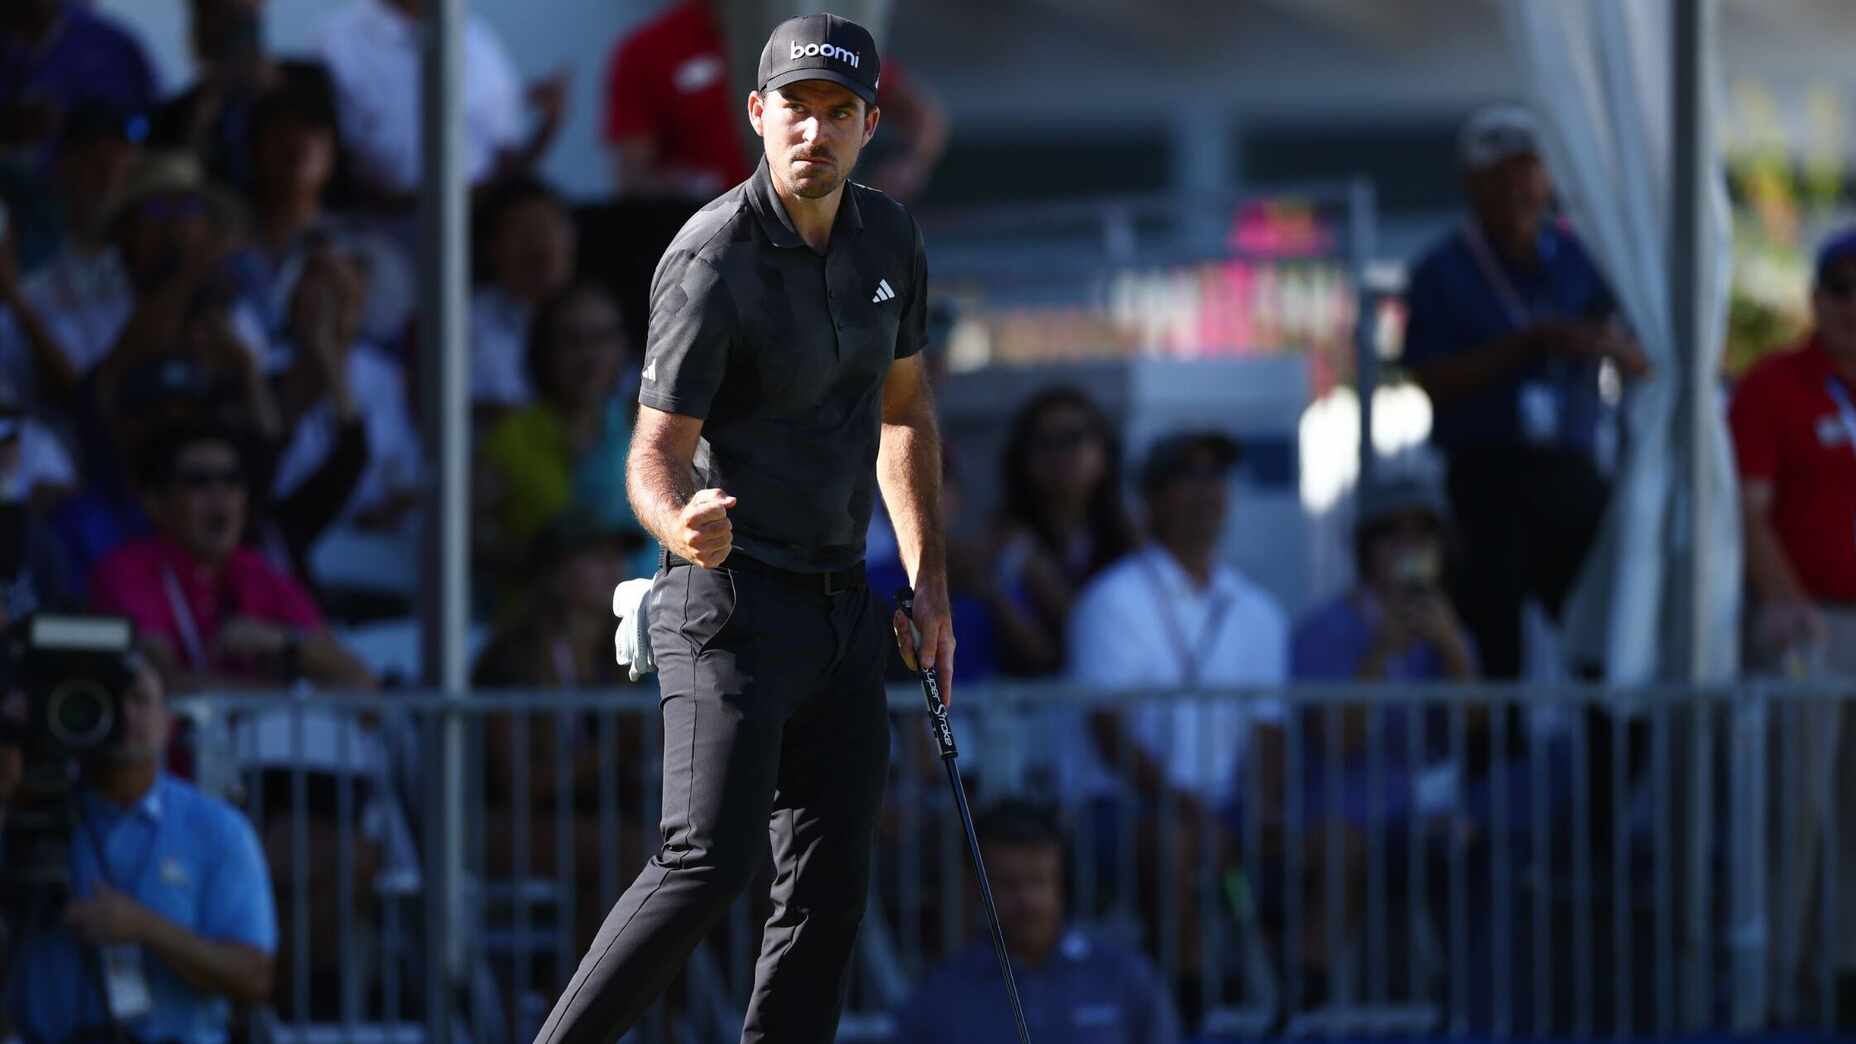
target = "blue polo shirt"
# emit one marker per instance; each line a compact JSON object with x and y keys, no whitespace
{"x":190,"y":858}
{"x":1085,"y":992}
{"x":1329,"y":645}
{"x":1455,"y":305}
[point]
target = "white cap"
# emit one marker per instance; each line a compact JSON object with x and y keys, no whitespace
{"x":1495,"y":133}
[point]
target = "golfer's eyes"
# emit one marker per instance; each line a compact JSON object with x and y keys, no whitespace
{"x":837,"y":114}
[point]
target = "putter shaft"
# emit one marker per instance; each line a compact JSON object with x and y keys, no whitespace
{"x":944,"y":738}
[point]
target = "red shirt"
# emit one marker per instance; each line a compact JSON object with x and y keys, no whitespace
{"x":669,"y":83}
{"x":1788,"y":431}
{"x":155,"y":583}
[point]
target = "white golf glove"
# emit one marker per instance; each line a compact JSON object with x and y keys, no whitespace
{"x":632,"y":641}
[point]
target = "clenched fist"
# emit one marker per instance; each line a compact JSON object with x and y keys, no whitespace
{"x":704,"y":534}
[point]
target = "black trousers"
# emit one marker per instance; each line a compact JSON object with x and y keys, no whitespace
{"x":1527,"y":519}
{"x":776,"y":737}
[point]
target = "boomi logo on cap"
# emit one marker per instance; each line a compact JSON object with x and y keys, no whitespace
{"x":843,"y":54}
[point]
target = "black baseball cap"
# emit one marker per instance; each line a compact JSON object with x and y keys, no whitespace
{"x":821,"y":47}
{"x":90,"y":122}
{"x":1172,"y":456}
{"x":1835,"y":251}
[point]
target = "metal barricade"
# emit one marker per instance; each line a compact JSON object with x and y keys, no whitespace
{"x":1393,"y":860}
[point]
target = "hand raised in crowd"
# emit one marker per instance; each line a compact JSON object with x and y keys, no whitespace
{"x":107,"y":916}
{"x":325,"y":319}
{"x":1423,"y":616}
{"x":704,"y":534}
{"x":1432,"y":618}
{"x":548,"y":96}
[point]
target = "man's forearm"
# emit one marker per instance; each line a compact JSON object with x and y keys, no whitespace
{"x":909,"y":473}
{"x":1769,"y":571}
{"x":226,"y":969}
{"x":658,"y":489}
{"x":327,"y":661}
{"x":1466,"y":374}
{"x":58,"y":378}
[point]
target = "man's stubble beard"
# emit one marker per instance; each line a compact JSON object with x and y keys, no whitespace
{"x":817,"y":186}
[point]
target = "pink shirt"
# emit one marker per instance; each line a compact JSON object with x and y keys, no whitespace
{"x":155,"y":583}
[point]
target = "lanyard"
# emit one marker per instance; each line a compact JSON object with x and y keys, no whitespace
{"x":1513,"y":304}
{"x":183,"y":620}
{"x":1192,"y":658}
{"x":1845,"y":410}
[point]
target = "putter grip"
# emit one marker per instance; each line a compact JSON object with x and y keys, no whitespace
{"x":931,"y":688}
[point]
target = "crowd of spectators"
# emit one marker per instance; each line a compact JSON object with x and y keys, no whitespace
{"x":208,"y":345}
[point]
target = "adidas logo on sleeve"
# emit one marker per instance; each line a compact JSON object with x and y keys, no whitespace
{"x":883,"y":292}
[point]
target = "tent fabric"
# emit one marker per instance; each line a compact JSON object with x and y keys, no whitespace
{"x":1598,"y":76}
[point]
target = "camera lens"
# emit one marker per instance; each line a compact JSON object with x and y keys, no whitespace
{"x":80,"y":715}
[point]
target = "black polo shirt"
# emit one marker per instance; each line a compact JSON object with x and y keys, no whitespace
{"x":782,"y":352}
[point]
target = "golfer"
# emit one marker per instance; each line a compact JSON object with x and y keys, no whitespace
{"x":782,"y":387}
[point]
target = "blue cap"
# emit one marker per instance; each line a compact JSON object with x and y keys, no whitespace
{"x":1836,"y":250}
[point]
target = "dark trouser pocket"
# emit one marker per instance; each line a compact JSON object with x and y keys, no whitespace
{"x":708,"y":605}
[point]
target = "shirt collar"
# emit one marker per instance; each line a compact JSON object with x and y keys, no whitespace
{"x":185,"y":568}
{"x":149,"y":807}
{"x":175,"y":557}
{"x":779,"y":225}
{"x":1819,"y":356}
{"x":1224,"y":579}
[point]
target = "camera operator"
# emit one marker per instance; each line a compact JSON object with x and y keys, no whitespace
{"x":171,"y":917}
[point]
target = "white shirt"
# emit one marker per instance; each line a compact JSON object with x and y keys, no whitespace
{"x":372,"y":52}
{"x":498,"y":349}
{"x":84,"y":301}
{"x":1143,"y":624}
{"x":394,"y":459}
{"x":43,"y":461}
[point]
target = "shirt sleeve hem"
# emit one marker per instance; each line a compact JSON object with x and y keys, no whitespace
{"x":679,"y":405}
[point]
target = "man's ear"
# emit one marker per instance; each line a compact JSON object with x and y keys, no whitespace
{"x":871,"y":115}
{"x":756,"y":106}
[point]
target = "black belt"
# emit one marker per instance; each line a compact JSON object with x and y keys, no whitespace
{"x":835,"y":582}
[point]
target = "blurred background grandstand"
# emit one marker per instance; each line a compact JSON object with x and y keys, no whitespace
{"x":225,"y":347}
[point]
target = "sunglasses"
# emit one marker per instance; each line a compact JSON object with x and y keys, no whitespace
{"x":196,"y":479}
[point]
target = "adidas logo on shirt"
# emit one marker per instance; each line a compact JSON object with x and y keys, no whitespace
{"x":883,"y":292}
{"x":650,"y":372}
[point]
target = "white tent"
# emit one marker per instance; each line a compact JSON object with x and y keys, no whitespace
{"x":1600,"y":76}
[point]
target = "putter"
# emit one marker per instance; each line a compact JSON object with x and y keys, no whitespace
{"x":944,"y":738}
